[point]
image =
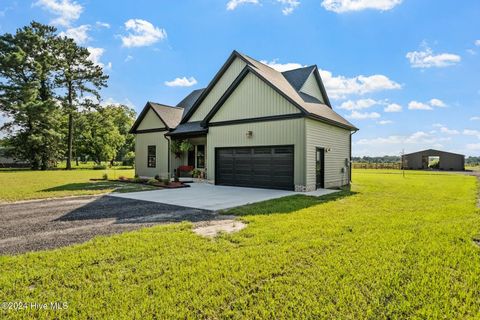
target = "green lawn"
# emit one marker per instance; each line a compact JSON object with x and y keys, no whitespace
{"x":26,"y":184}
{"x":394,"y":248}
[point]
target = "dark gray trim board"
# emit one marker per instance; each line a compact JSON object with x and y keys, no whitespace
{"x":142,"y":115}
{"x":210,"y":86}
{"x":259,"y":119}
{"x":174,"y":135}
{"x":150,"y":130}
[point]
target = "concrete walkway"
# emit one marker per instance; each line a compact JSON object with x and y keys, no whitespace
{"x":211,"y":197}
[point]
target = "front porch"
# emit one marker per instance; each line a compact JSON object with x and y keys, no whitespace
{"x":188,"y":156}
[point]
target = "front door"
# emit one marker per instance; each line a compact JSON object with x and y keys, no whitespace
{"x":320,"y":167}
{"x":191,"y":158}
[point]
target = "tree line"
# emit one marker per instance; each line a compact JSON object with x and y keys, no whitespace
{"x":50,"y":96}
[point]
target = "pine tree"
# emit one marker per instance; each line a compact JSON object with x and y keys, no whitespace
{"x":78,"y":76}
{"x":27,"y":67}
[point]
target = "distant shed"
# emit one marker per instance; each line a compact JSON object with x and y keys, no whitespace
{"x":447,"y":160}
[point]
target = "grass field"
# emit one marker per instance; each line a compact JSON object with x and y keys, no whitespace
{"x":393,"y":248}
{"x":26,"y":184}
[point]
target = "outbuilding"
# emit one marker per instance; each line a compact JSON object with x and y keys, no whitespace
{"x":433,"y":159}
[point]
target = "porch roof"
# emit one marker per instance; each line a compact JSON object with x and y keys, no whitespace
{"x":188,"y":129}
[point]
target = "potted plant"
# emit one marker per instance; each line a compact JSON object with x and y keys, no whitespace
{"x":179,"y":147}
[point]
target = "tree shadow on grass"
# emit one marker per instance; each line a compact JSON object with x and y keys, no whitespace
{"x":101,"y":185}
{"x":287,"y":204}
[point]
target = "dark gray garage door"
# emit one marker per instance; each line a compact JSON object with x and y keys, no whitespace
{"x":257,"y":167}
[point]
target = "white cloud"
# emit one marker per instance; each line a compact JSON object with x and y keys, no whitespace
{"x":281,"y":67}
{"x":393,"y":107}
{"x":95,"y":56}
{"x":181,"y":82}
{"x":289,"y":6}
{"x":363,"y":115}
{"x":384,"y":122}
{"x":233,"y":4}
{"x":66,"y":11}
{"x":79,"y":34}
{"x":358,"y":104}
{"x":477,"y":43}
{"x":437,"y":103}
{"x":419,"y":137}
{"x":473,"y":146}
{"x":340,"y":86}
{"x":449,"y":131}
{"x":143,"y":33}
{"x":415,"y":105}
{"x":128,"y":58}
{"x":474,"y":133}
{"x":101,"y":24}
{"x":475,"y":118}
{"x":427,"y":59}
{"x":341,"y":6}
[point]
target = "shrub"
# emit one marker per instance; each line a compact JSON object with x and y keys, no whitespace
{"x":129,"y":159}
{"x":105,"y":176}
{"x":157,"y":177}
{"x":196,"y":173}
{"x":152,"y":181}
{"x":99,"y":167}
{"x":166,"y":181}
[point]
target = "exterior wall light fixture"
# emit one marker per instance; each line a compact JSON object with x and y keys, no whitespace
{"x":249,"y":134}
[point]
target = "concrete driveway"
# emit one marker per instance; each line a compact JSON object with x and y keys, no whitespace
{"x":211,"y":197}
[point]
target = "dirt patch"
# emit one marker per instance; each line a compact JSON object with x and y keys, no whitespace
{"x":212,"y":228}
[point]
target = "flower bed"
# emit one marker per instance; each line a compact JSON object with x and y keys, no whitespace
{"x":154,"y":182}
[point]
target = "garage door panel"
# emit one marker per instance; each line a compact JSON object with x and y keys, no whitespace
{"x":261,"y":167}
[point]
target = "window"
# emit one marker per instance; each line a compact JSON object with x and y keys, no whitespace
{"x":200,"y":156}
{"x":152,"y":157}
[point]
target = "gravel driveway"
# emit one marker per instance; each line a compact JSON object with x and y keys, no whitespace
{"x":47,"y":224}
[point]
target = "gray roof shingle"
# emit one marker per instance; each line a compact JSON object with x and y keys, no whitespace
{"x":171,"y":116}
{"x":297,"y":77}
{"x":188,"y":128}
{"x":189,"y":100}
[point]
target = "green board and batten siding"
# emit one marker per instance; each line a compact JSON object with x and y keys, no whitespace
{"x":319,"y":134}
{"x":253,"y":98}
{"x":151,"y":121}
{"x":311,"y":88}
{"x":143,"y":140}
{"x":222,"y":85}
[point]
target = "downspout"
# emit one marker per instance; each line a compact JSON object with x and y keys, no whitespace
{"x":168,"y":155}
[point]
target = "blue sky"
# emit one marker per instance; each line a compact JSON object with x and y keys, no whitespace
{"x":418,"y":58}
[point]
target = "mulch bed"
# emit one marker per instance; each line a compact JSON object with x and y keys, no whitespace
{"x":171,"y":185}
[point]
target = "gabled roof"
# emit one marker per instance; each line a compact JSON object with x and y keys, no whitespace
{"x":434,"y":151}
{"x":169,"y":115}
{"x":287,"y":84}
{"x":307,"y":104}
{"x":189,"y":128}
